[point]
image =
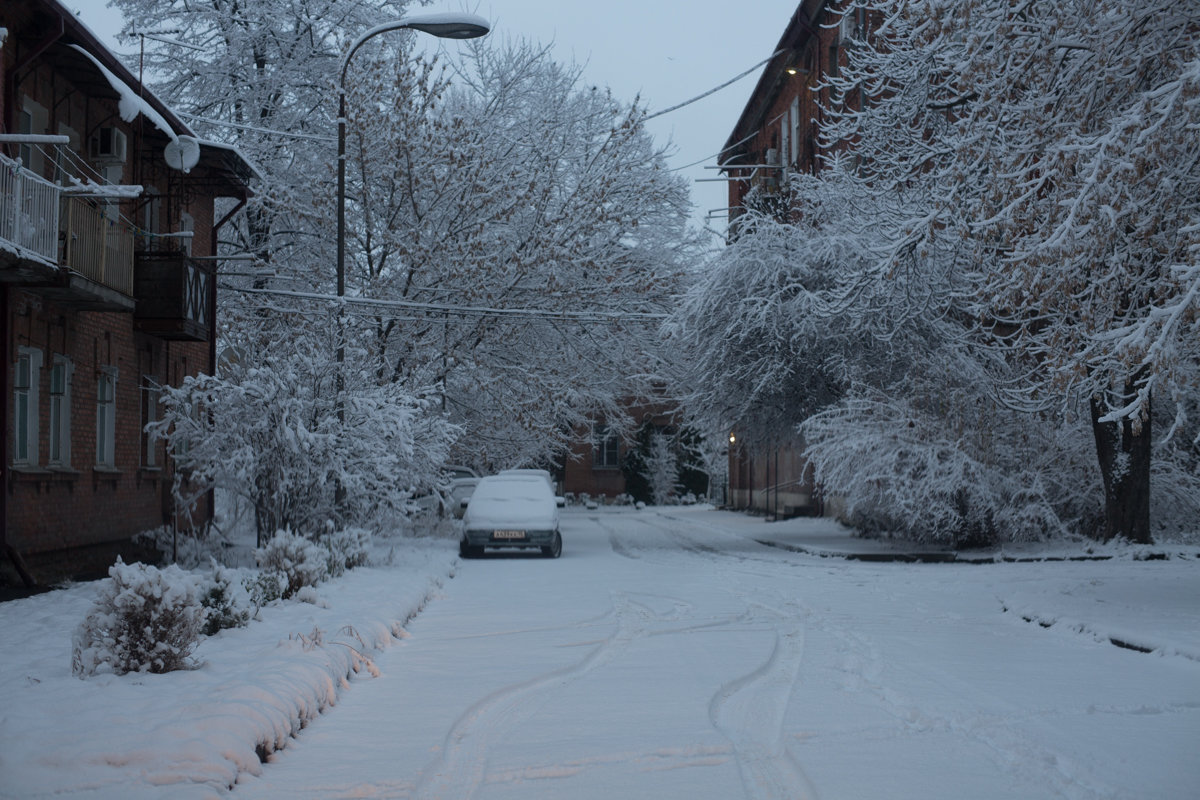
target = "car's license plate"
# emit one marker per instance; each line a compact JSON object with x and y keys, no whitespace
{"x":508,"y":534}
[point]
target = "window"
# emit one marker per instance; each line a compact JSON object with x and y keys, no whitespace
{"x":151,"y":218}
{"x":112,"y":174}
{"x":25,"y":405}
{"x":106,"y":417}
{"x":785,"y":130}
{"x":605,"y":447}
{"x":60,"y":412}
{"x":187,"y":225}
{"x":25,"y":126}
{"x":150,"y":393}
{"x":32,"y":119}
{"x":794,"y":115}
{"x":64,"y":166}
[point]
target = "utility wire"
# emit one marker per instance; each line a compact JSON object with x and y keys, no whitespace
{"x":444,"y":308}
{"x":712,"y":90}
{"x":314,"y":137}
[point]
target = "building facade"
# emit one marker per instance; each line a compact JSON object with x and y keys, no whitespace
{"x":108,"y":234}
{"x":596,"y":464}
{"x":778,"y":135}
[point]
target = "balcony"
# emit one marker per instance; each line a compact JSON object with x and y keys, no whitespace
{"x":97,"y":245}
{"x":73,"y":250}
{"x":29,"y":207}
{"x":173,"y":294}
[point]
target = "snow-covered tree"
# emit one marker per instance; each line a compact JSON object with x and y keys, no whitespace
{"x":512,"y":233}
{"x":258,"y":74}
{"x":270,"y":432}
{"x":527,"y":232}
{"x":662,"y":469}
{"x":1016,"y":229}
{"x":1068,"y":158}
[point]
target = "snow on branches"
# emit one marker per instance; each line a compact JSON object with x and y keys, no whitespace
{"x":1007,"y":221}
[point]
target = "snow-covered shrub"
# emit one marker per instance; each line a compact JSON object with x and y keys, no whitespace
{"x":225,"y":599}
{"x":901,"y":472}
{"x":300,"y":561}
{"x":144,"y":620}
{"x":265,"y":588}
{"x":662,"y":469}
{"x":347,"y":549}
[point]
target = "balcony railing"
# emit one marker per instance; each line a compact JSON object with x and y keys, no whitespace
{"x":96,"y":246}
{"x":29,"y":208}
{"x":173,"y":296}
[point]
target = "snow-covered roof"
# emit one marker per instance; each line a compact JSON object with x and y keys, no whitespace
{"x":134,"y":98}
{"x":131,"y":103}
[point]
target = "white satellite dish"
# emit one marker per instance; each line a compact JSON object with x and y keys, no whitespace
{"x":182,"y":153}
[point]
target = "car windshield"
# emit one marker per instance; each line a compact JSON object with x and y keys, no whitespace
{"x":506,"y":488}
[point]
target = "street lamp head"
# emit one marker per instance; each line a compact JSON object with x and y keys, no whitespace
{"x":444,"y":26}
{"x":449,"y":26}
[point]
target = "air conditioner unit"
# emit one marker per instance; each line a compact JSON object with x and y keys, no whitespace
{"x":108,"y":144}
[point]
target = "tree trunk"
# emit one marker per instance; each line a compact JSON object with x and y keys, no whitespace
{"x":1123,"y":449}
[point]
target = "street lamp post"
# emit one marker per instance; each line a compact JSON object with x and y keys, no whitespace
{"x":445,"y":26}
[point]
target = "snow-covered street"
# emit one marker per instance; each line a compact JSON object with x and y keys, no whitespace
{"x":667,"y":654}
{"x":667,"y":658}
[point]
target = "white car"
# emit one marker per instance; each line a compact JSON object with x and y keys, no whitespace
{"x":511,"y":511}
{"x":450,"y":495}
{"x":459,"y":494}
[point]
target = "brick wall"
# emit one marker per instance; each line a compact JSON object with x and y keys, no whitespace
{"x":79,"y":504}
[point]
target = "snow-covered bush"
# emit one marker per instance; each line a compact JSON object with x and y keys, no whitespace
{"x":300,"y":561}
{"x":901,"y":471}
{"x":346,"y":549}
{"x":265,"y":588}
{"x":144,"y":620}
{"x":662,"y":469}
{"x":225,"y":599}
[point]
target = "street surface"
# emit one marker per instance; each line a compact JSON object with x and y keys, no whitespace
{"x":664,"y":658}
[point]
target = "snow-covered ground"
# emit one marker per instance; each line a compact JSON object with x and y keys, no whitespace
{"x":669,"y":653}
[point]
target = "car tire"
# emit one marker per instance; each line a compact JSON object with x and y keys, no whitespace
{"x":467,"y":551}
{"x":554,"y":550}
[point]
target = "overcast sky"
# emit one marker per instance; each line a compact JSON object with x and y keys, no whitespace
{"x":666,"y":50}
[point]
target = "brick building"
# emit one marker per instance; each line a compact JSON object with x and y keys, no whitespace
{"x":598,"y":451}
{"x":777,"y":135}
{"x":107,"y":279}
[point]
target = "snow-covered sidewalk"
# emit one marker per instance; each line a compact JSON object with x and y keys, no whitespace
{"x":191,"y":733}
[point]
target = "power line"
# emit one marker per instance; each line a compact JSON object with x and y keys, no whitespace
{"x":448,"y":309}
{"x":713,"y":90}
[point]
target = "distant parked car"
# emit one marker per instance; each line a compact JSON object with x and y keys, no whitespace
{"x":459,"y":494}
{"x":511,"y":510}
{"x":441,"y":500}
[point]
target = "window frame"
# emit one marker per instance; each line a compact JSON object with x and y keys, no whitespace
{"x":106,"y":417}
{"x":605,"y":445}
{"x":26,"y":401}
{"x":150,"y":394}
{"x":60,"y":413}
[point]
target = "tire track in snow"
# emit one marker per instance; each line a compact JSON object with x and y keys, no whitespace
{"x":750,"y":712}
{"x":462,"y":767}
